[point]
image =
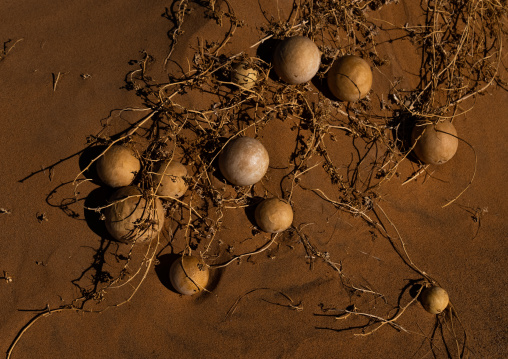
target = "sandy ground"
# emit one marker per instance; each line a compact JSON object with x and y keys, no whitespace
{"x":66,"y":74}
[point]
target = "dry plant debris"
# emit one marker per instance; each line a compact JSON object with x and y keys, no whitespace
{"x":7,"y":48}
{"x":460,"y":47}
{"x":7,"y":277}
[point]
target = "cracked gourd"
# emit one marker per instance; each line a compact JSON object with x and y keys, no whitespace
{"x":349,"y":78}
{"x":244,"y":75}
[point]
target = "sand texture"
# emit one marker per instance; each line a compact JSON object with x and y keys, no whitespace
{"x":371,"y":223}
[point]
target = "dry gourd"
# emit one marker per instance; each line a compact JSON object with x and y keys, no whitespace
{"x":118,"y":166}
{"x":189,"y":275}
{"x":169,"y":179}
{"x":296,"y":59}
{"x":131,"y":218}
{"x":244,"y":161}
{"x":244,"y":74}
{"x":434,"y":299}
{"x":435,"y":143}
{"x":350,"y":78}
{"x":274,"y":215}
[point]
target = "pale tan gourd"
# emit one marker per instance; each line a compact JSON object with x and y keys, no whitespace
{"x":273,"y":215}
{"x":244,"y":74}
{"x":244,"y":161}
{"x":118,"y":166}
{"x":189,"y":275}
{"x":296,"y":59}
{"x":131,"y":218}
{"x":169,"y":179}
{"x":435,"y":143}
{"x":434,"y":299}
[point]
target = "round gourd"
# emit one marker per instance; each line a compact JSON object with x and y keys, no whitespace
{"x":296,"y":59}
{"x":244,"y":161}
{"x":274,"y":215}
{"x":131,"y":218}
{"x":434,"y":299}
{"x":189,"y":275}
{"x":435,"y":143}
{"x":118,"y":166}
{"x":244,"y":75}
{"x":350,"y":78}
{"x":169,"y":179}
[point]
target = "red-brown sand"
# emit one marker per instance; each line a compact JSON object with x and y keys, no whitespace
{"x":89,"y":47}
